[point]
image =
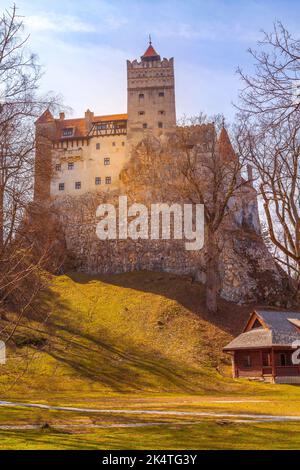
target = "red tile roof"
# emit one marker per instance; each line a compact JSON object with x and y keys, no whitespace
{"x":225,"y":146}
{"x":80,"y":125}
{"x":150,"y":52}
{"x":45,"y":117}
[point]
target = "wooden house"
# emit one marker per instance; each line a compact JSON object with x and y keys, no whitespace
{"x":265,"y":348}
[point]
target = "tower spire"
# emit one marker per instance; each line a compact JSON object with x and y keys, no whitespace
{"x":150,"y":53}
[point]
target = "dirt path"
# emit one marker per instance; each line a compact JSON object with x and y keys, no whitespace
{"x":237,"y":417}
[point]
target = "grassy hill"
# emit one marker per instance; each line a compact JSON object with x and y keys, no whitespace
{"x":127,"y":333}
{"x":133,"y":342}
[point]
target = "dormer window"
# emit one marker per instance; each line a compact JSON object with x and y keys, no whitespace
{"x":68,"y":132}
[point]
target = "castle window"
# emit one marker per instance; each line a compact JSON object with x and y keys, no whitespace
{"x":160,"y":125}
{"x":161,"y":94}
{"x":58,"y":167}
{"x":78,"y":185}
{"x":108,"y":180}
{"x":161,"y":112}
{"x":100,"y":126}
{"x":123,"y":144}
{"x":68,"y":132}
{"x":107,"y":161}
{"x":141,"y":113}
{"x":97,"y":180}
{"x":98,"y":146}
{"x":114,"y":144}
{"x":61,"y":186}
{"x":141,"y":96}
{"x":145,"y":125}
{"x":71,"y":166}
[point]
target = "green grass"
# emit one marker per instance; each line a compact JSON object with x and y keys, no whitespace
{"x":134,"y":341}
{"x":132,"y":333}
{"x":205,"y":435}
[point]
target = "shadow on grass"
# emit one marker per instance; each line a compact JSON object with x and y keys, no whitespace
{"x":183,"y":289}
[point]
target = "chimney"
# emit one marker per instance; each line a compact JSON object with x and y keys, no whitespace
{"x":62,"y":116}
{"x":89,"y":116}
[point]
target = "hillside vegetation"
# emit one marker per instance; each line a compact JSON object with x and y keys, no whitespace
{"x":125,"y":333}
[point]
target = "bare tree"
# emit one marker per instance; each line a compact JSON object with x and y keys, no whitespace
{"x":22,"y":259}
{"x":275,"y":155}
{"x":195,"y":166}
{"x":272,"y":93}
{"x":269,"y":138}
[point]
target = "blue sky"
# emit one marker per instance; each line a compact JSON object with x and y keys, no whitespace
{"x":83,"y":46}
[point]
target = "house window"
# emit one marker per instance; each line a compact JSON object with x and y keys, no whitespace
{"x":283,"y":361}
{"x":247,"y":361}
{"x":160,"y":125}
{"x":71,"y":166}
{"x":97,"y":180}
{"x":141,"y":96}
{"x":106,"y":161}
{"x":108,"y":180}
{"x":161,"y":94}
{"x":97,"y":146}
{"x":58,"y":167}
{"x":78,"y":185}
{"x":141,"y":113}
{"x":61,"y":186}
{"x":68,"y":132}
{"x":145,"y":125}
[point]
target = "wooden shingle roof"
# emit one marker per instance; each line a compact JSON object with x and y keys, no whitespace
{"x":277,"y":329}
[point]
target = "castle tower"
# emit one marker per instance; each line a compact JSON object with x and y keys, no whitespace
{"x":151,"y":96}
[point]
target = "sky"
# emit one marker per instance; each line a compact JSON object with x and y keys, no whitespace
{"x":83,"y":47}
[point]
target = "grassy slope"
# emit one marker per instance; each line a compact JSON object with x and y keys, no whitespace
{"x":136,"y":332}
{"x":136,"y":340}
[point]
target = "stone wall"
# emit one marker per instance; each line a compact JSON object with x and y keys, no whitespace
{"x":247,"y":271}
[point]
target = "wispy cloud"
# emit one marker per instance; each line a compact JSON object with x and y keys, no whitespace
{"x":211,"y":32}
{"x":57,"y":23}
{"x":64,"y":23}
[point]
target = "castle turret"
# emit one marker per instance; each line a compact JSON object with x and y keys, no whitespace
{"x":151,"y":95}
{"x":45,"y":133}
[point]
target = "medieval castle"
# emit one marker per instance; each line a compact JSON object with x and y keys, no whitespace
{"x":84,"y":157}
{"x":88,"y":153}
